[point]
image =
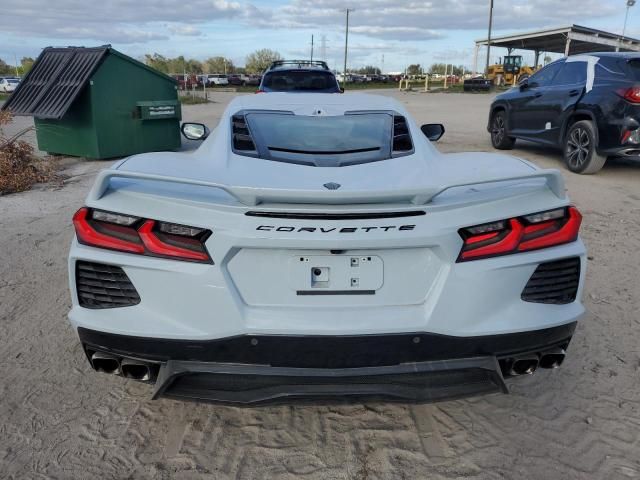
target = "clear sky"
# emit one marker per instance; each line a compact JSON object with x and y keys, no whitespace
{"x":400,"y":31}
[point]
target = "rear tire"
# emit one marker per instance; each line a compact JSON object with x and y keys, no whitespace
{"x":499,"y":137}
{"x":580,"y":149}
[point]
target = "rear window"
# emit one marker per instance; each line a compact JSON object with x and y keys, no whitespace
{"x":324,"y":141}
{"x":634,"y":66}
{"x":303,"y":81}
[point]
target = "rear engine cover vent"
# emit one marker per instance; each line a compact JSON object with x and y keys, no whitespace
{"x":242,"y":140}
{"x":104,"y":286}
{"x":554,"y":282}
{"x":401,"y":137}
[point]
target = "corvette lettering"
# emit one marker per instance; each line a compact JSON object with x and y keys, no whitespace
{"x":275,"y":228}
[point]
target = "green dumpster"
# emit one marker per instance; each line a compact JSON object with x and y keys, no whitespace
{"x":98,"y":103}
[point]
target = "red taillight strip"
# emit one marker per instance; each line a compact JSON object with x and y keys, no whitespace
{"x":158,"y":247}
{"x":522,"y":236}
{"x":143,"y":241}
{"x":90,"y":236}
{"x":506,"y":244}
{"x":567,"y":233}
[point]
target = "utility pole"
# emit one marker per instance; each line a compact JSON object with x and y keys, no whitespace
{"x":489,"y":35}
{"x":312,"y":47}
{"x":346,"y":46}
{"x":630,"y":3}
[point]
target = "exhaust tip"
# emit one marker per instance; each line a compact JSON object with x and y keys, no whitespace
{"x":552,"y":359}
{"x":101,"y":362}
{"x":524,"y":365}
{"x":136,"y":370}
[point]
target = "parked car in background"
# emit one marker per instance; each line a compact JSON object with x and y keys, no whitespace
{"x":299,"y":76}
{"x":242,"y":79}
{"x":187,"y":81}
{"x":217,"y":79}
{"x":477,"y":84}
{"x":9,"y":84}
{"x":588,"y":105}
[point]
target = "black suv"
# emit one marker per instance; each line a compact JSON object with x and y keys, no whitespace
{"x":589,"y":105}
{"x":299,"y":76}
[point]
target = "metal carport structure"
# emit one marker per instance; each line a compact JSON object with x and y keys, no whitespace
{"x":569,"y":40}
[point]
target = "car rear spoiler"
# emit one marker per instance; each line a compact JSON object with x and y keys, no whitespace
{"x":251,"y":196}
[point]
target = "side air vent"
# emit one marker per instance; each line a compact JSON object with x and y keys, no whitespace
{"x":104,"y":286}
{"x":242,"y":140}
{"x":401,"y":137}
{"x":554,"y":282}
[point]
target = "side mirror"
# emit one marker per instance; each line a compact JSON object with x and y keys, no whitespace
{"x":433,"y":131}
{"x":194,"y":131}
{"x":523,"y":84}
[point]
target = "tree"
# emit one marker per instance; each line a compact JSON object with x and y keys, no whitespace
{"x":369,"y":70}
{"x":258,"y":61}
{"x":451,"y":69}
{"x":219,"y":65}
{"x":6,"y":69}
{"x":158,"y":62}
{"x":414,"y":69}
{"x":26,"y":63}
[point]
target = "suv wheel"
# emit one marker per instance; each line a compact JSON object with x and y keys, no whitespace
{"x":499,"y":138}
{"x":580,"y":153}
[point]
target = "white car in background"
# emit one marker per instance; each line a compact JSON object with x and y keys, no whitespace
{"x":9,"y":84}
{"x":217,"y":79}
{"x":320,"y":246}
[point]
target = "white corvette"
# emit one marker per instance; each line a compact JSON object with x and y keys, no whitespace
{"x":320,"y":246}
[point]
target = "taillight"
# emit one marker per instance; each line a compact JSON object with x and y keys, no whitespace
{"x":141,"y":236}
{"x":631,"y":94}
{"x":522,"y":234}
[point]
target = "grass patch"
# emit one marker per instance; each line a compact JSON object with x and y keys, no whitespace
{"x":192,"y":100}
{"x":3,"y":96}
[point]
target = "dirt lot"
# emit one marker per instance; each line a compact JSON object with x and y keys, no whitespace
{"x":58,"y":419}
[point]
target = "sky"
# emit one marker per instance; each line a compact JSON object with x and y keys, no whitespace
{"x":387,"y":33}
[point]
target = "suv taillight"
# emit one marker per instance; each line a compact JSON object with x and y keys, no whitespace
{"x":631,"y":94}
{"x":126,"y":233}
{"x":521,"y":234}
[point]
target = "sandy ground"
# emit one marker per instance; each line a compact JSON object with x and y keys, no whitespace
{"x":58,"y":419}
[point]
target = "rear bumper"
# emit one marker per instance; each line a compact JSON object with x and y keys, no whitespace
{"x":418,"y":367}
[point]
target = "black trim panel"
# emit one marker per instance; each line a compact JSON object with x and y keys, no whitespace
{"x":255,"y":385}
{"x":335,"y":292}
{"x":347,"y":351}
{"x":335,"y":216}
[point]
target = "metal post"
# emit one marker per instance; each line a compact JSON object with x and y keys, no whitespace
{"x":445,"y":75}
{"x":630,"y":3}
{"x":475,"y":59}
{"x":537,"y":57}
{"x":489,"y":35}
{"x":346,"y":44}
{"x":567,"y":45}
{"x":312,"y":47}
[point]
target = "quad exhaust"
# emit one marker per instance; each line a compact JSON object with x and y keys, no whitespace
{"x":552,"y":358}
{"x":524,"y":365}
{"x":128,"y":368}
{"x":136,"y":370}
{"x":102,"y":362}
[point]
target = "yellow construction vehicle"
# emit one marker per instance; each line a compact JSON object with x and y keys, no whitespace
{"x":509,"y":72}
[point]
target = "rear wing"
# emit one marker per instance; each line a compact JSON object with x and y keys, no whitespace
{"x":252,"y":196}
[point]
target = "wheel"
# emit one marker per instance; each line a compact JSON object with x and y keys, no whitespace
{"x":499,"y":80}
{"x":499,"y":137}
{"x":580,"y":145}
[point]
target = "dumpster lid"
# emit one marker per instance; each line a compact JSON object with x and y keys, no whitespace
{"x":55,"y":80}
